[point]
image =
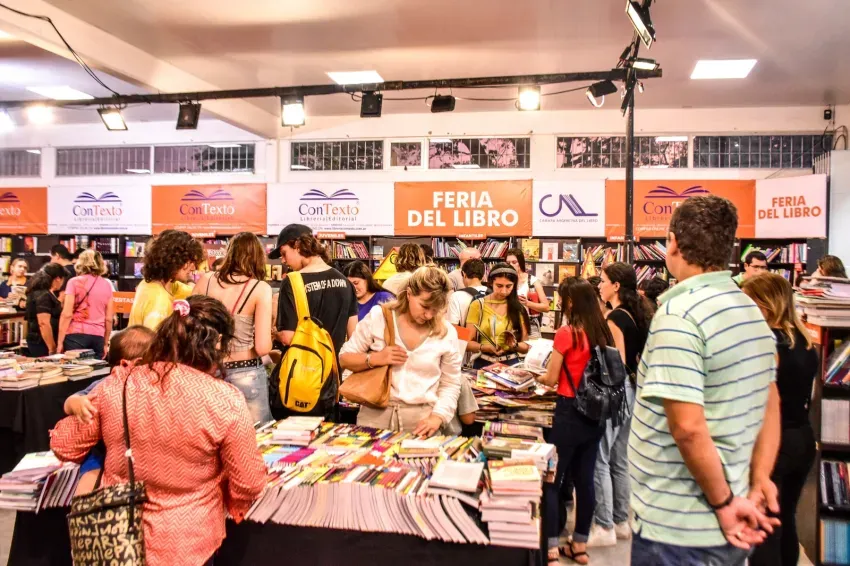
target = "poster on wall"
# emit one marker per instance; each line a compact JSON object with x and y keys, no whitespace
{"x":569,"y":208}
{"x":99,"y":210}
{"x":655,"y":201}
{"x":23,"y":210}
{"x":463,"y":208}
{"x":352,"y":208}
{"x":210,"y":210}
{"x":791,"y":207}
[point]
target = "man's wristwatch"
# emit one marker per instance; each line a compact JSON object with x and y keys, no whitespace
{"x":369,"y":360}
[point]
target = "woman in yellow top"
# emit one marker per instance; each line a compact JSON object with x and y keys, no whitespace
{"x":501,"y":320}
{"x":170,"y":260}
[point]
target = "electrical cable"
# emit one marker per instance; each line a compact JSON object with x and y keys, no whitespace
{"x":76,"y":56}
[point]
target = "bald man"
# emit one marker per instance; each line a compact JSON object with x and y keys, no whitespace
{"x":456,"y":277}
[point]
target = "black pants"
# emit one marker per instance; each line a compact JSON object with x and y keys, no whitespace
{"x":83,"y":342}
{"x":37,"y":347}
{"x":796,"y":456}
{"x":577,"y":441}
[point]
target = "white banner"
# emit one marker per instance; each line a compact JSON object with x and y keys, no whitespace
{"x":113,"y":210}
{"x":791,"y":207}
{"x":569,"y":208}
{"x":353,"y":208}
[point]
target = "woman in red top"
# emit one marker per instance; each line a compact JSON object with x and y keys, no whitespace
{"x":575,"y":437}
{"x":190,"y":431}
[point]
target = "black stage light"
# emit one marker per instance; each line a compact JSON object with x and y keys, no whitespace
{"x":370,"y":105}
{"x":639,"y":16}
{"x":187,"y":116}
{"x":597,"y":91}
{"x":441,"y":103}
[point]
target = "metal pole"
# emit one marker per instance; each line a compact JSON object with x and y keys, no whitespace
{"x":630,"y":180}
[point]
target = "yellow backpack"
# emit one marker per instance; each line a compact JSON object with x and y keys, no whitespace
{"x":310,"y":360}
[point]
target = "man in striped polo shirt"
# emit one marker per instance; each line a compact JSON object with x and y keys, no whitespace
{"x":705,"y":429}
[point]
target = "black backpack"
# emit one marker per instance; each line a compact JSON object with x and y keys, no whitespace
{"x":601,"y":394}
{"x":476,"y":294}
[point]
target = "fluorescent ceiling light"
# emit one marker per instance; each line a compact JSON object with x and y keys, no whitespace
{"x":6,"y":122}
{"x":223,"y":145}
{"x":465,"y":166}
{"x":355,"y":77}
{"x":529,"y":98}
{"x":35,"y":151}
{"x":300,"y":168}
{"x":112,"y":119}
{"x":671,"y":138}
{"x":723,"y":68}
{"x":60,"y":92}
{"x":39,"y":114}
{"x":440,"y":140}
{"x":139,"y":171}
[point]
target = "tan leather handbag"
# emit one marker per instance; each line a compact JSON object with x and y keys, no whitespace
{"x":371,"y":387}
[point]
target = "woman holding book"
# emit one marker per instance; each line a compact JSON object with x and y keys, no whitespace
{"x":192,"y":441}
{"x":575,"y":437}
{"x":795,"y":374}
{"x":529,"y":291}
{"x":17,"y":277}
{"x":87,"y":309}
{"x":369,"y":292}
{"x":500,"y":320}
{"x":239,"y":284}
{"x":628,"y":322}
{"x":425,"y":359}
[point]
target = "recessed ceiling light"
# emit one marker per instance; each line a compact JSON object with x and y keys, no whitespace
{"x":223,"y":145}
{"x":139,"y":171}
{"x":300,"y":168}
{"x":60,"y":92}
{"x":671,"y":138}
{"x":35,"y":151}
{"x":465,"y":166}
{"x":39,"y":114}
{"x":355,"y":77}
{"x":723,"y":68}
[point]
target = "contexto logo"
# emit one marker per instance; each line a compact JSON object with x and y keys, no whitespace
{"x":107,"y":205}
{"x":207,"y":206}
{"x":8,"y":200}
{"x":316,"y":204}
{"x":662,"y":210}
{"x":570,"y":202}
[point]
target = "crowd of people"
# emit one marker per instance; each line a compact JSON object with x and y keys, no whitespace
{"x":695,"y":474}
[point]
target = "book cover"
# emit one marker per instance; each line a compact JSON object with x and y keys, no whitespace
{"x":531,"y":248}
{"x":565,"y":271}
{"x":550,"y":251}
{"x":545,"y":272}
{"x":569,"y":252}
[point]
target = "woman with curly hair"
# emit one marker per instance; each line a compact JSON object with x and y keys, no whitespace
{"x":170,"y":259}
{"x":410,"y":257}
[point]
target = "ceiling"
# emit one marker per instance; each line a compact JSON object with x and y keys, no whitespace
{"x":801,"y":46}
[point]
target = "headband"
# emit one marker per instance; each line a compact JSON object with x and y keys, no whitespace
{"x":503,"y":271}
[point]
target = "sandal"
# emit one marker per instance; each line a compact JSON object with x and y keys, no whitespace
{"x":553,"y":559}
{"x":570,"y":553}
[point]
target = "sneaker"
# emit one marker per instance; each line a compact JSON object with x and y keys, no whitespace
{"x":600,"y":536}
{"x":623,"y":530}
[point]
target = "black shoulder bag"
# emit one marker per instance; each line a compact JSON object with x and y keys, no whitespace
{"x":601,"y":395}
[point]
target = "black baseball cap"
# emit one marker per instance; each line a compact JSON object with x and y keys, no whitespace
{"x":291,"y":232}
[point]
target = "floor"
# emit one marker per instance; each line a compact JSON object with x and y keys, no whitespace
{"x":607,"y":556}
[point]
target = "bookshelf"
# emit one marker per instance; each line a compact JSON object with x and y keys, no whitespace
{"x":784,"y":257}
{"x":831,"y":421}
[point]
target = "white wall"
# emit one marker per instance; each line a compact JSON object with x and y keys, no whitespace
{"x":839,"y":205}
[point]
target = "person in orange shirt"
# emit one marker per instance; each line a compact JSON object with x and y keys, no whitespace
{"x":190,"y":431}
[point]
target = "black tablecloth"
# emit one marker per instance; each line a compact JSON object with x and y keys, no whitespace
{"x":27,"y":416}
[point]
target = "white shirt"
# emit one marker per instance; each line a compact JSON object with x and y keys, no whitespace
{"x":459,"y":305}
{"x":431,"y":374}
{"x":456,"y":279}
{"x":397,"y":282}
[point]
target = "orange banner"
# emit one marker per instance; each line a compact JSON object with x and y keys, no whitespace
{"x":204,"y":210}
{"x":451,"y":208}
{"x":122,"y":301}
{"x":23,"y":210}
{"x":655,"y":202}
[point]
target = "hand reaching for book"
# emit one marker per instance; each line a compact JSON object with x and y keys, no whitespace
{"x":428,"y":426}
{"x":389,"y":356}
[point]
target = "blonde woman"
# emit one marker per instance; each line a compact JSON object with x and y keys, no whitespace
{"x":410,"y":258}
{"x":87,"y":310}
{"x":17,"y":277}
{"x":425,"y":360}
{"x":795,"y":374}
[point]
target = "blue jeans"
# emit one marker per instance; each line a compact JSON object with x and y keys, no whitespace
{"x":611,"y":478}
{"x":83,"y":342}
{"x":650,"y":553}
{"x":254,"y":385}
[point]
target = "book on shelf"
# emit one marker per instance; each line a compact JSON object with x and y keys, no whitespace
{"x":834,"y":484}
{"x":530,"y":248}
{"x":347,"y":250}
{"x":835,"y":421}
{"x":600,"y":252}
{"x":565,"y":271}
{"x":545,"y":273}
{"x":570,"y":252}
{"x":655,"y":251}
{"x":6,"y":244}
{"x":134,"y":249}
{"x":509,"y":430}
{"x":549,"y":251}
{"x":835,"y":541}
{"x":447,"y":248}
{"x":493,"y":249}
{"x":377,"y":252}
{"x":646,"y":272}
{"x":791,"y":253}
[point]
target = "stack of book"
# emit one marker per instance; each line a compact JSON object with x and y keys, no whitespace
{"x":44,"y":373}
{"x":510,"y":505}
{"x":512,"y":377}
{"x":39,"y":481}
{"x":348,"y":250}
{"x":9,"y":374}
{"x":825,"y":301}
{"x":655,"y":251}
{"x":532,"y":406}
{"x":837,"y":367}
{"x":296,"y":431}
{"x":76,"y":372}
{"x":83,"y":354}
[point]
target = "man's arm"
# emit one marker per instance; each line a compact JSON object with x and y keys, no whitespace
{"x":762,"y":490}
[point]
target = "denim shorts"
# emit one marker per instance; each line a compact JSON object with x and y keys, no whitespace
{"x":254,"y":385}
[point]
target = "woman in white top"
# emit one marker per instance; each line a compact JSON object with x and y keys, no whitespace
{"x":529,"y":290}
{"x":426,"y":362}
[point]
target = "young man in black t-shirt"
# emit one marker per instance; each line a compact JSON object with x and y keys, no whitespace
{"x":330,"y":297}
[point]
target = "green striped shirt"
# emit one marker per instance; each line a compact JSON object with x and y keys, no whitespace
{"x":708,"y":344}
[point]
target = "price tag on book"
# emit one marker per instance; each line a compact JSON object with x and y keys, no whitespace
{"x":330,"y":235}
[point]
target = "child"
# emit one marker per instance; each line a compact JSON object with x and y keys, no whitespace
{"x":125,"y":349}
